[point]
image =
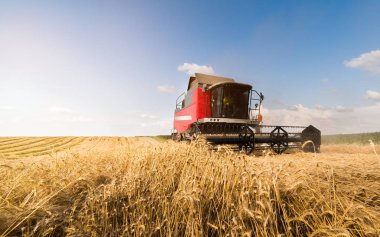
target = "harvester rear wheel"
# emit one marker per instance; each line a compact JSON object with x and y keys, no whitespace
{"x":279,"y":138}
{"x":247,"y":140}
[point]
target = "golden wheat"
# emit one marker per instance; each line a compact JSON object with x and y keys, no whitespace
{"x":138,"y":186}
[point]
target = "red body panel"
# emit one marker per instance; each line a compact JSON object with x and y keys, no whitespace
{"x":200,"y":107}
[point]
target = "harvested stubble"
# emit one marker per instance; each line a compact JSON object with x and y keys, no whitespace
{"x":172,"y":189}
{"x":36,"y":146}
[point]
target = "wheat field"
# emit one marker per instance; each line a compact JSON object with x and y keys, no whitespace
{"x":117,"y":186}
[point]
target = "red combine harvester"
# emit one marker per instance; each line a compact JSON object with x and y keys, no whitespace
{"x":226,"y":112}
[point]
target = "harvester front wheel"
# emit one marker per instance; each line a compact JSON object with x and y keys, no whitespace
{"x":246,"y":140}
{"x":279,"y":138}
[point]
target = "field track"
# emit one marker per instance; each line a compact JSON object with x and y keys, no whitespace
{"x":27,"y":147}
{"x":21,"y":148}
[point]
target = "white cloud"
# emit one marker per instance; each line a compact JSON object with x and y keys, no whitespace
{"x":367,"y":61}
{"x":191,"y":68}
{"x":296,"y":115}
{"x":373,"y":95}
{"x":340,"y":108}
{"x":166,"y":89}
{"x":330,"y":120}
{"x":297,"y":107}
{"x":321,"y":107}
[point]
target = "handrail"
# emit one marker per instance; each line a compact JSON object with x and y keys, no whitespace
{"x":257,"y":105}
{"x":179,"y":101}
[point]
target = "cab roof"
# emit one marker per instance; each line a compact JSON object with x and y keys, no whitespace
{"x":209,"y":80}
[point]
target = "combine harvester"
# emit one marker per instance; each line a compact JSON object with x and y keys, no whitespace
{"x":226,"y":112}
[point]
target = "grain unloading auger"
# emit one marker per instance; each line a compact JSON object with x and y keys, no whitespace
{"x":226,"y":112}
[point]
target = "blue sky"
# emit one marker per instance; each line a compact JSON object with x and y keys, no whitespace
{"x":102,"y":68}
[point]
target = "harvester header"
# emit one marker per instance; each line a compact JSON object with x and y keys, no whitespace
{"x":227,"y":112}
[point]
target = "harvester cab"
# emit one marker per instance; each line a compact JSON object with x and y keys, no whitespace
{"x":228,"y":112}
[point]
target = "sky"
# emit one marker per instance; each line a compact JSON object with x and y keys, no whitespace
{"x":115,"y":68}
